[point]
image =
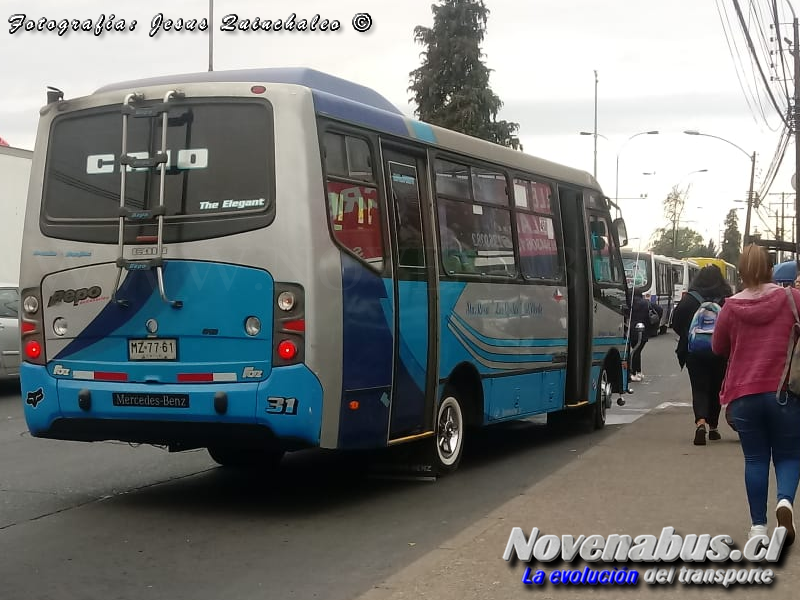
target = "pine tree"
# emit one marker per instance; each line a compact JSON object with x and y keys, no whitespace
{"x":451,"y":87}
{"x":732,"y":242}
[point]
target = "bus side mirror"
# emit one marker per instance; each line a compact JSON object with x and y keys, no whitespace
{"x":622,"y":232}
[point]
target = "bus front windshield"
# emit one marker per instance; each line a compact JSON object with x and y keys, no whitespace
{"x":636,"y":272}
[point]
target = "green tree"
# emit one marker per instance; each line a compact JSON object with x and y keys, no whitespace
{"x":732,"y":242}
{"x":686,"y":242}
{"x":709,"y":250}
{"x":451,"y":87}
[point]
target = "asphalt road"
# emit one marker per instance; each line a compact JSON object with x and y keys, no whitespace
{"x":109,"y":521}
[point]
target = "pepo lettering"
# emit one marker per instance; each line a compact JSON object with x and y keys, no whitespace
{"x":74,"y":297}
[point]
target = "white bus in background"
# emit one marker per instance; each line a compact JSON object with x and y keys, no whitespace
{"x":653,"y":276}
{"x":684,"y":271}
{"x":15,"y":171}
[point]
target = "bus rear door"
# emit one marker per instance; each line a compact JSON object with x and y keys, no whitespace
{"x":414,"y":288}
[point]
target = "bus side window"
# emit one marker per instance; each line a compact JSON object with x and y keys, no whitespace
{"x":353,"y":207}
{"x":604,"y":266}
{"x":538,"y":249}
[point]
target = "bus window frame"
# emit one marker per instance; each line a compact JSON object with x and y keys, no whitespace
{"x":372,"y":139}
{"x":471,"y":163}
{"x":605,"y":214}
{"x":188,"y":228}
{"x":558,"y":231}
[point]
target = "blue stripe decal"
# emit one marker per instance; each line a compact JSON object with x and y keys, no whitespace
{"x":422,"y":131}
{"x":505,"y":358}
{"x":605,"y":341}
{"x":137,"y":288}
{"x":356,"y":112}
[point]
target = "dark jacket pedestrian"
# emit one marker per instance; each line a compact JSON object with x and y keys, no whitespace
{"x":639,"y":313}
{"x":706,"y":372}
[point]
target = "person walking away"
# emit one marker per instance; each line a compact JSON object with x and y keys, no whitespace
{"x":706,"y":369}
{"x":753,"y":330}
{"x":639,"y":313}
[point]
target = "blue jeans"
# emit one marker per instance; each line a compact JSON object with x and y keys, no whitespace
{"x":768,"y":428}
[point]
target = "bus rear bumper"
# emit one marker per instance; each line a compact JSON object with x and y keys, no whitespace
{"x":285,"y":409}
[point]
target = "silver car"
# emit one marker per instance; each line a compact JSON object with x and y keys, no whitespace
{"x":9,"y":331}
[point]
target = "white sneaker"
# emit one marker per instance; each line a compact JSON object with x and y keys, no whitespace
{"x":785,"y":516}
{"x":757,"y":530}
{"x":636,"y":377}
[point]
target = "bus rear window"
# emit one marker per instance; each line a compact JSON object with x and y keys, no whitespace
{"x":219,"y":163}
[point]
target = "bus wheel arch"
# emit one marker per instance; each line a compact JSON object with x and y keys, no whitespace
{"x":466,"y":381}
{"x":460,"y":408}
{"x":613,"y":367}
{"x":609,"y":380}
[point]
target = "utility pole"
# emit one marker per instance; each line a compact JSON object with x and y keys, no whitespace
{"x":796,"y":120}
{"x":595,"y":124}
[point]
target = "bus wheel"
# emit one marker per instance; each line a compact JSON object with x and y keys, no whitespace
{"x":251,"y":458}
{"x":603,"y":399}
{"x":449,"y":432}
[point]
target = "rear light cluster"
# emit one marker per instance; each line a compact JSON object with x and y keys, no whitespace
{"x":31,"y":327}
{"x":289,"y":325}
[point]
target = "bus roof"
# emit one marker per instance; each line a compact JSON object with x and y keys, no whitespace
{"x":355,"y":103}
{"x":309,"y":78}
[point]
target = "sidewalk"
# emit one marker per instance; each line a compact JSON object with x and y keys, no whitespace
{"x":645,"y":477}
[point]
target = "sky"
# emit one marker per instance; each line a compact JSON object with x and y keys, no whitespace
{"x":661,"y":66}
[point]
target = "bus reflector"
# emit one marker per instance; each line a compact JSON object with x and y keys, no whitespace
{"x":296,"y":325}
{"x":146,"y":239}
{"x":287,"y":350}
{"x":108,"y":376}
{"x":27,"y":327}
{"x":354,"y":405}
{"x":33,"y":349}
{"x":258,"y":89}
{"x":195,"y":377}
{"x":205,"y":377}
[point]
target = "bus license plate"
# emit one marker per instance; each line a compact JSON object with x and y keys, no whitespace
{"x":153,"y":349}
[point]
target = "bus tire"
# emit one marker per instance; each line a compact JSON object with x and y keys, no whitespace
{"x":247,"y":458}
{"x":450,"y":427}
{"x":603,"y":399}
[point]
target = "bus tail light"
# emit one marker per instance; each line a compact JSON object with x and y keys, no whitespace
{"x":287,"y":350}
{"x":33,"y":349}
{"x":32,"y":327}
{"x":289,"y":325}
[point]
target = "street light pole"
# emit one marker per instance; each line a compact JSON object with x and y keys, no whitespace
{"x":616,"y":179}
{"x":752,"y":157}
{"x":210,"y":35}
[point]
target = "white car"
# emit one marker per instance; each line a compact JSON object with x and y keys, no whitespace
{"x":9,"y":331}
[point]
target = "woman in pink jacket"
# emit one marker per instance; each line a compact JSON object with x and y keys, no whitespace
{"x":753,"y":331}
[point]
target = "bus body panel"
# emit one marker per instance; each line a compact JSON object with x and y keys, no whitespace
{"x":503,"y":329}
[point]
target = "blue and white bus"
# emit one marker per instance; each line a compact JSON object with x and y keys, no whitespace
{"x":261,"y":261}
{"x":653,"y":276}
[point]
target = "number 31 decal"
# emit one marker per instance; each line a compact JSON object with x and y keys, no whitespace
{"x":282,"y":406}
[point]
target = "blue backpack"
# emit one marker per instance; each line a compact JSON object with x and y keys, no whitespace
{"x":701,"y":329}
